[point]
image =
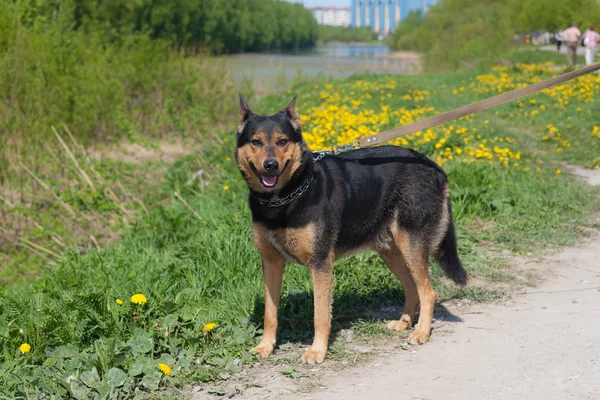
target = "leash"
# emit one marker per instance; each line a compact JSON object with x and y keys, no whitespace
{"x":440,"y":119}
{"x":386,"y":136}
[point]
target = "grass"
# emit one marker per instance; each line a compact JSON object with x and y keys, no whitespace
{"x":93,"y":93}
{"x":87,"y":338}
{"x":531,"y":55}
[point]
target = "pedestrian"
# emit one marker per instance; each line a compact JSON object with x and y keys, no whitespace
{"x":559,"y":39}
{"x":571,"y":36}
{"x":590,"y":40}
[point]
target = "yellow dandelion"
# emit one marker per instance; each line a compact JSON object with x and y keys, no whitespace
{"x":119,"y":301}
{"x":138,"y":298}
{"x":25,"y":348}
{"x":558,"y":172}
{"x":165,"y":369}
{"x":209,"y":327}
{"x":228,"y":159}
{"x":225,"y":187}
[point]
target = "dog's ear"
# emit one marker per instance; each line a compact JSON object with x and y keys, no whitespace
{"x":245,"y":114}
{"x":292,"y":115}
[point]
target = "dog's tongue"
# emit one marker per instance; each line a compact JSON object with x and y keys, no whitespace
{"x":269,"y":180}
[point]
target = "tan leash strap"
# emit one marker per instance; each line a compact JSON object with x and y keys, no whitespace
{"x":439,"y":119}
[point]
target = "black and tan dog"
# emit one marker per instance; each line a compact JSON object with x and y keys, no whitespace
{"x":390,"y":199}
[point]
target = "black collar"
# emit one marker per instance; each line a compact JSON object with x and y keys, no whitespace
{"x":299,"y":191}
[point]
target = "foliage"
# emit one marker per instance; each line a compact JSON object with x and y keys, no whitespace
{"x":403,"y":37}
{"x":345,"y":34}
{"x":194,"y":272}
{"x":459,"y":33}
{"x":552,"y":15}
{"x":221,"y":26}
{"x":456,"y":31}
{"x":51,"y":74}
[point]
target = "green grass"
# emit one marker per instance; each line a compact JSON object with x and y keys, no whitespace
{"x":194,"y":272}
{"x":532,"y":55}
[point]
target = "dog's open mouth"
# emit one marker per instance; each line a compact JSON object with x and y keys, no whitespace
{"x":268,"y":180}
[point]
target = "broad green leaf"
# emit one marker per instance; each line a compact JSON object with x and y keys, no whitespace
{"x":115,"y":377}
{"x":143,"y":365}
{"x":140,"y":343}
{"x":79,"y":391}
{"x":91,"y":378}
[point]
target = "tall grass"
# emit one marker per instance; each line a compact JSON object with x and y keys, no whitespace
{"x":104,"y":92}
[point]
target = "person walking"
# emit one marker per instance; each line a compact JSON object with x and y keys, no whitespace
{"x":572,"y":36}
{"x":590,"y":40}
{"x":559,"y":39}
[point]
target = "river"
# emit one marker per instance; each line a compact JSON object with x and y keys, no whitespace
{"x":269,"y":72}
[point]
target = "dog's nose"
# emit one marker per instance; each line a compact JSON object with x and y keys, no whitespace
{"x":271,"y":165}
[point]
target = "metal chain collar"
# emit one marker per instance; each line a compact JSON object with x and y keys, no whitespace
{"x":335,"y":150}
{"x":304,"y":187}
{"x":289,"y":198}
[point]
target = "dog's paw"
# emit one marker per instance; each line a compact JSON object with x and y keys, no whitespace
{"x":314,"y":356}
{"x":398,"y":325}
{"x":263,"y":350}
{"x":418,"y":337}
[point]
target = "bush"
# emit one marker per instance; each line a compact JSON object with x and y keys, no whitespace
{"x":457,"y":31}
{"x":472,"y":33}
{"x":51,"y":74}
{"x":345,"y":34}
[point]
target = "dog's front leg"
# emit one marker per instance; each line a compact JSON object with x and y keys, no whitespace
{"x":273,"y":267}
{"x":322,"y":278}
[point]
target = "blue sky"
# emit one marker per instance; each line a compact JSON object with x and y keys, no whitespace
{"x":323,"y":3}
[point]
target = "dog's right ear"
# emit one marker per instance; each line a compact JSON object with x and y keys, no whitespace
{"x":245,"y":114}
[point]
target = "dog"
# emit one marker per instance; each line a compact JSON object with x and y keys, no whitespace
{"x":390,"y":199}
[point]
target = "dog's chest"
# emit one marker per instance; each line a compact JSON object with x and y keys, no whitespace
{"x":294,"y":244}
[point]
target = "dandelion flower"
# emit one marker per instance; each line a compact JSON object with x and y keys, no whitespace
{"x":225,"y":187}
{"x":165,"y":369}
{"x":209,"y":327}
{"x":25,"y":348}
{"x":558,"y":171}
{"x":138,"y":298}
{"x":119,"y":301}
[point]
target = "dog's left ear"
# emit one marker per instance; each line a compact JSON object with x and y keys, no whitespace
{"x":292,"y":115}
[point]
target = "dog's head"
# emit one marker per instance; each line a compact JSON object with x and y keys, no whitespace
{"x":269,"y":150}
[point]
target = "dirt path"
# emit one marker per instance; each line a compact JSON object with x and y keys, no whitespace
{"x":544,"y":344}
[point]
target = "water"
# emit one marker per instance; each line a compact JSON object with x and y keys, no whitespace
{"x":269,"y":72}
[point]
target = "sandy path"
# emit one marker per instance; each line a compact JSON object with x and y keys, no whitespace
{"x":542,"y":345}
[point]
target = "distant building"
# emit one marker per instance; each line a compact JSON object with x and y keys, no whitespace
{"x":383,"y":16}
{"x":332,"y":16}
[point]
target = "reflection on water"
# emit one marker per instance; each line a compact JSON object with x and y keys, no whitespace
{"x":269,"y":72}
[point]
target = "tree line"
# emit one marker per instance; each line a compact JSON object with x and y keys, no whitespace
{"x":219,"y":26}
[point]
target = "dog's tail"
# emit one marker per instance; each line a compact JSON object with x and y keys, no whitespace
{"x":447,"y":254}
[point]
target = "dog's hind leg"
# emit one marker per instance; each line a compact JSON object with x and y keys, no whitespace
{"x":396,"y":263}
{"x":322,"y":278}
{"x":273,"y":267}
{"x":416,"y":257}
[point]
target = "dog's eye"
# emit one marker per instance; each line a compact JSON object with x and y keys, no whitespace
{"x":282,"y":142}
{"x":256,"y":143}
